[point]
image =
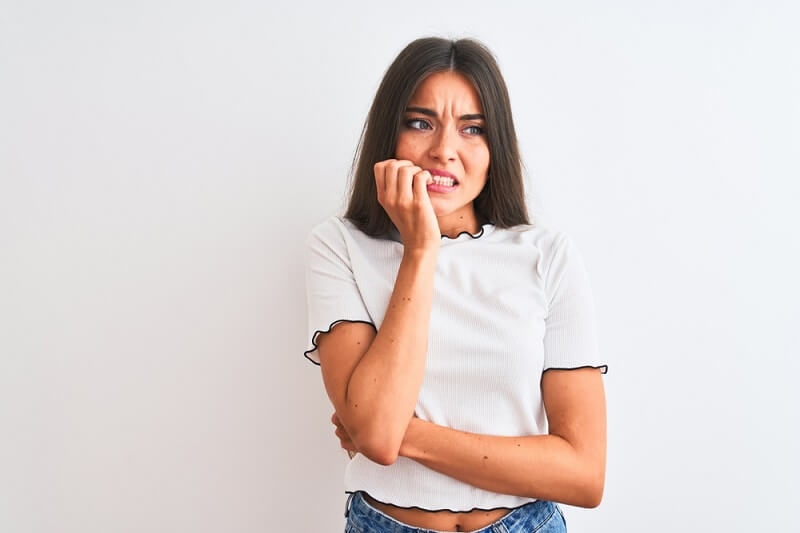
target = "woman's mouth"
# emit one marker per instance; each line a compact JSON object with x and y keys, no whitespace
{"x":442,"y":180}
{"x":442,"y":183}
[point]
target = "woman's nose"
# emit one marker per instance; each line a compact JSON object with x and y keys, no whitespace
{"x":443,"y":147}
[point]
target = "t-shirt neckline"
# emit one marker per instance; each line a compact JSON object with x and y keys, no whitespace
{"x":484,"y":230}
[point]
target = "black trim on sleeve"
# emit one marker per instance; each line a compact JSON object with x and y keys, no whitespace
{"x":603,"y":368}
{"x":334,"y":323}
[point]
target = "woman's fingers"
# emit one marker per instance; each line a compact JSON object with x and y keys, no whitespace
{"x":420,"y":185}
{"x":342,"y":435}
{"x":403,"y":194}
{"x":394,"y":181}
{"x":379,"y":170}
{"x":386,"y":175}
{"x":405,"y":180}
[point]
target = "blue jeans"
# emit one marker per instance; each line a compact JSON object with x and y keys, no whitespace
{"x":536,"y":517}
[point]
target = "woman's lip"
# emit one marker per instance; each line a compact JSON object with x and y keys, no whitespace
{"x":435,"y":187}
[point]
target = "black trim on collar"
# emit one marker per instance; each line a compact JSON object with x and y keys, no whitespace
{"x":475,"y":236}
{"x":394,"y":235}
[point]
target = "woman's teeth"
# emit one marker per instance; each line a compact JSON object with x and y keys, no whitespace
{"x":441,"y":180}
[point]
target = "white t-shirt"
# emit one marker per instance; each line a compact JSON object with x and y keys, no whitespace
{"x":508,"y":304}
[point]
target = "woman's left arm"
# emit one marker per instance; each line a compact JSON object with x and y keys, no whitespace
{"x":567,"y":465}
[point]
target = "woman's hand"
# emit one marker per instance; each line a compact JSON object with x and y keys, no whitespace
{"x":402,"y":191}
{"x":344,"y":437}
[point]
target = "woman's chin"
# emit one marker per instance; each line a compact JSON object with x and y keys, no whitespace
{"x":449,"y":216}
{"x":442,"y":207}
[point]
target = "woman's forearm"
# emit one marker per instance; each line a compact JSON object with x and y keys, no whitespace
{"x":542,"y":466}
{"x":382,"y":391}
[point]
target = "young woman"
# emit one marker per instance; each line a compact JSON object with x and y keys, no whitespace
{"x":456,"y":340}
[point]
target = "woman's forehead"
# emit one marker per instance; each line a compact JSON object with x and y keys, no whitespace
{"x":447,"y":90}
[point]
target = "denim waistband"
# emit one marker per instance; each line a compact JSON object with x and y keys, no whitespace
{"x":364,"y":518}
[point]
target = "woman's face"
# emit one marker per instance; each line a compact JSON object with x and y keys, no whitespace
{"x":443,"y":132}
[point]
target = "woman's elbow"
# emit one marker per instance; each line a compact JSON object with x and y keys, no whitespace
{"x":592,"y":499}
{"x":382,"y":456}
{"x":378,"y":447}
{"x":591,"y":494}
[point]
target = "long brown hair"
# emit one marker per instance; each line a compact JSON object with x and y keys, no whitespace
{"x":502,"y":200}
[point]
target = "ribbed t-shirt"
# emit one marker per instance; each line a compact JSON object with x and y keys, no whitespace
{"x":508,"y":304}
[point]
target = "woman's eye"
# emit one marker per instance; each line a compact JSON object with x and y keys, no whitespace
{"x":417,"y":124}
{"x":473,"y":130}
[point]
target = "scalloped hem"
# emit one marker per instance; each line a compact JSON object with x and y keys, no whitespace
{"x":352,"y":492}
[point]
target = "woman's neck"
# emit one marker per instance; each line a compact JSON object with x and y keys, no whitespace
{"x":456,"y":223}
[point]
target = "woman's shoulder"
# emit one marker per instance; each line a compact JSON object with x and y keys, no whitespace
{"x":542,"y":237}
{"x":333,"y":227}
{"x":338,"y":230}
{"x":332,"y":224}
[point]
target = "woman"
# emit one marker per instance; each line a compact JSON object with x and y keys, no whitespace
{"x":456,"y":341}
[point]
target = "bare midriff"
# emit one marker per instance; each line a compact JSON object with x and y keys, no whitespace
{"x":440,"y":520}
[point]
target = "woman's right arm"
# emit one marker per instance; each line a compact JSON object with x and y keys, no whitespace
{"x":373,"y":378}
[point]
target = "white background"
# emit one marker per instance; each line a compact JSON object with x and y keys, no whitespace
{"x":161,"y":163}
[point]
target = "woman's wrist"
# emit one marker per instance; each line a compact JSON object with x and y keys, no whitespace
{"x":409,"y":447}
{"x":421,"y":254}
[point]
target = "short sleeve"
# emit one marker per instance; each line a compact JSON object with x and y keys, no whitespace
{"x":570,"y":339}
{"x":331,"y":290}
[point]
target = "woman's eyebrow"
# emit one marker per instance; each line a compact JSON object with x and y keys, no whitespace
{"x":432,"y":113}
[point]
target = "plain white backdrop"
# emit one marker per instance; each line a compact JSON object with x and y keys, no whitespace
{"x":161,"y":163}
